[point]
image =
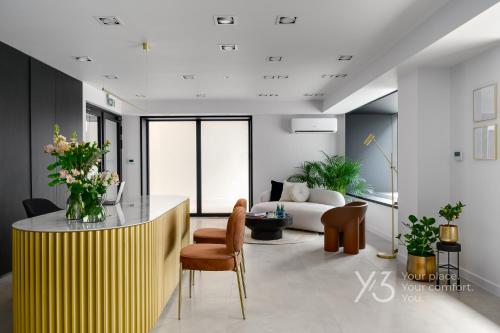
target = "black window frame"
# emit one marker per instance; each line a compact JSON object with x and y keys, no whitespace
{"x":144,"y":146}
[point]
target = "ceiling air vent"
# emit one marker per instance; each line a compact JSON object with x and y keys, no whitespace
{"x":108,"y":20}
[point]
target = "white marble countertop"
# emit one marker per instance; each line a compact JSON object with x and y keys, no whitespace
{"x":125,"y":214}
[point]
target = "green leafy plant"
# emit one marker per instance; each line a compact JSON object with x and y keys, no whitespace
{"x":335,"y":173}
{"x":422,"y":236}
{"x":450,"y":213}
{"x":76,"y":165}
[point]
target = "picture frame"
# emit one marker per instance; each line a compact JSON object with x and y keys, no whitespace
{"x":485,"y":142}
{"x":485,"y":103}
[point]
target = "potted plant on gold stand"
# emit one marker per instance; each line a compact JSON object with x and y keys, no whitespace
{"x":448,"y":233}
{"x":419,"y":242}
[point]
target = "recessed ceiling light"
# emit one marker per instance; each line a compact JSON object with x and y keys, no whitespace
{"x":345,"y":57}
{"x":278,"y":58}
{"x":188,"y":77}
{"x":275,"y":77}
{"x":140,"y":95}
{"x":83,"y":59}
{"x":225,"y":20}
{"x":314,"y":95}
{"x":286,"y":19}
{"x":308,"y":95}
{"x":228,"y":47}
{"x":340,"y":75}
{"x":201,"y":95}
{"x":319,"y":95}
{"x":227,"y":76}
{"x":268,"y":95}
{"x":111,"y":77}
{"x":327,"y":76}
{"x":108,"y":20}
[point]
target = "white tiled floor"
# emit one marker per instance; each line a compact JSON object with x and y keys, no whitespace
{"x":301,"y":288}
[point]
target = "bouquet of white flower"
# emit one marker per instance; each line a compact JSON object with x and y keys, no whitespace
{"x":76,"y":166}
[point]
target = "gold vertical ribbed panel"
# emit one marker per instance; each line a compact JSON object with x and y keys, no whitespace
{"x":114,"y":280}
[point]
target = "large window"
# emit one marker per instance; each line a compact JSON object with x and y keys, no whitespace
{"x":207,"y":159}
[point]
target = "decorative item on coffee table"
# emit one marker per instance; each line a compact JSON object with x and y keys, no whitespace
{"x":268,"y":226}
{"x":448,"y":233}
{"x":419,"y":242}
{"x":77,"y":166}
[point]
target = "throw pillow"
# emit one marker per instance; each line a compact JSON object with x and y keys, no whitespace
{"x":300,"y":192}
{"x":285,"y":195}
{"x":276,"y":190}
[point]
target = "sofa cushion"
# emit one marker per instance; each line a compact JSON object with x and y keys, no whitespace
{"x":300,"y":192}
{"x":276,"y":190}
{"x":285,"y":195}
{"x":326,"y":197}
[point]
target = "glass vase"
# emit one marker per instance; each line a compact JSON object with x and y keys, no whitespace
{"x":94,"y":211}
{"x":74,"y":207}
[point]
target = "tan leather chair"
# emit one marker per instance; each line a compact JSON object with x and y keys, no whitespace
{"x":217,"y":257}
{"x":345,"y":226}
{"x":217,"y":235}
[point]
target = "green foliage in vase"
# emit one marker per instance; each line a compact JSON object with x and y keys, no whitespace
{"x":422,"y":236}
{"x":450,"y":213}
{"x":77,"y":166}
{"x":335,"y":173}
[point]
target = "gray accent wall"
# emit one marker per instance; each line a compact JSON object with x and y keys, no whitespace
{"x":374,"y":167}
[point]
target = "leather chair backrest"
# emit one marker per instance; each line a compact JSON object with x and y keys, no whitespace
{"x":339,"y":216}
{"x":39,"y":206}
{"x":241,"y":203}
{"x":235,"y":231}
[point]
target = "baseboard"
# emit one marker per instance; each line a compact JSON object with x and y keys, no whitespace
{"x":378,"y":233}
{"x":481,"y":282}
{"x":469,"y":276}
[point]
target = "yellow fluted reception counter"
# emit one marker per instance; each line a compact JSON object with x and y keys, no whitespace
{"x":114,"y":276}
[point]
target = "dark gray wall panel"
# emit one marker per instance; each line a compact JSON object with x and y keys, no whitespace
{"x":43,"y":117}
{"x":14,"y":145}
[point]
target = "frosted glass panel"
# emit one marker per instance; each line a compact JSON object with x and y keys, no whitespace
{"x":224,"y":164}
{"x":172,"y":159}
{"x":111,"y":158}
{"x":91,"y":128}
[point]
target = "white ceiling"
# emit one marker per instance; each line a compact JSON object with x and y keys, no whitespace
{"x":184,"y":40}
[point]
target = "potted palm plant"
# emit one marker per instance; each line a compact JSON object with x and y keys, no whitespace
{"x":419,"y":242}
{"x":448,"y":233}
{"x":334,"y":172}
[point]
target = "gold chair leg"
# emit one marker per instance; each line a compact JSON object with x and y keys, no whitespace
{"x":180,"y":293}
{"x":238,"y":276}
{"x":243,"y":279}
{"x":243,"y":261}
{"x":190,"y":281}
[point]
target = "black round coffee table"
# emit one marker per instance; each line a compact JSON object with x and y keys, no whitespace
{"x":267,"y":228}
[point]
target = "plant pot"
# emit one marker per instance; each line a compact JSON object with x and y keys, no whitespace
{"x":421,"y":268}
{"x":448,"y":233}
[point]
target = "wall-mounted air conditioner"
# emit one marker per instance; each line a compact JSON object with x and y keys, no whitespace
{"x":314,"y":125}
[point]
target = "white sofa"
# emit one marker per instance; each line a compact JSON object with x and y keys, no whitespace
{"x":306,"y":215}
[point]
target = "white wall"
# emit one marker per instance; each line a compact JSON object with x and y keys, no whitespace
{"x":476,"y":183}
{"x":435,"y":119}
{"x":276,"y":151}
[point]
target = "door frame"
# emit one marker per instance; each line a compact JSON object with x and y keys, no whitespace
{"x":102,"y":115}
{"x":144,"y":144}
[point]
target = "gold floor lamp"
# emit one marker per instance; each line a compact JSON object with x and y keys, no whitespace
{"x":388,"y":157}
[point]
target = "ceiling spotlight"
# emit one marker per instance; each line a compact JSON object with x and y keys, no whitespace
{"x":340,"y":75}
{"x":225,"y":20}
{"x":140,"y":96}
{"x":272,"y":59}
{"x":201,"y":95}
{"x":108,"y":20}
{"x":111,"y":77}
{"x":286,"y":19}
{"x":319,"y":95}
{"x":83,"y":59}
{"x":327,"y":76}
{"x":188,"y":77}
{"x":268,"y":77}
{"x":280,"y":77}
{"x":228,"y":47}
{"x":275,"y":77}
{"x":227,"y":76}
{"x":268,"y":95}
{"x":345,"y":57}
{"x":309,"y":95}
